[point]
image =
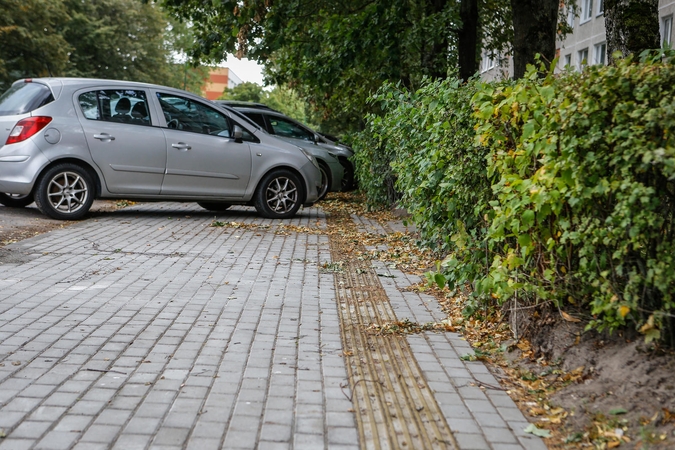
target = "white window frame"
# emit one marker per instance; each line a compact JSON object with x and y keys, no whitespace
{"x":601,"y":7}
{"x":586,"y":10}
{"x":570,"y":17}
{"x":600,"y":50}
{"x":582,"y":55}
{"x":487,"y":62}
{"x":568,"y":60}
{"x":667,"y":30}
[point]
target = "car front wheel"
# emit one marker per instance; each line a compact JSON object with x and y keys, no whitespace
{"x":279,"y":195}
{"x":348,"y":178}
{"x":325,"y":181}
{"x":65,"y":192}
{"x":16,"y":200}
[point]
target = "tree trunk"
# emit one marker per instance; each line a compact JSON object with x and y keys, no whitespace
{"x":631,"y":26}
{"x":534,"y":31}
{"x":435,"y":53}
{"x":468,"y":39}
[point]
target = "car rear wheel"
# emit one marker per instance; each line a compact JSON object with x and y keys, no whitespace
{"x":214,"y":206}
{"x":65,"y":192}
{"x":16,"y":200}
{"x":279,"y":195}
{"x":325,"y":181}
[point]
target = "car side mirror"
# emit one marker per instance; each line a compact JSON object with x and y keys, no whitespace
{"x":238,"y":134}
{"x":317,"y":138}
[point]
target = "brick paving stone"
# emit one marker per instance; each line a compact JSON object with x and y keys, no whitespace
{"x":31,"y":429}
{"x":167,"y":333}
{"x":480,"y":419}
{"x":16,"y":444}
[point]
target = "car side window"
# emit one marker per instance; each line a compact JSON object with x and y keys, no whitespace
{"x":258,"y":119}
{"x":113,"y":105}
{"x":286,"y":128}
{"x":188,"y":115}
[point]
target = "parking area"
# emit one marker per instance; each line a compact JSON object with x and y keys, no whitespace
{"x":164,"y":326}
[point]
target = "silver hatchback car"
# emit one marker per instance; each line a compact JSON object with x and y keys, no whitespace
{"x":68,"y":141}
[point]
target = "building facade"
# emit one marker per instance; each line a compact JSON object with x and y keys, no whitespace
{"x":586,"y":44}
{"x":219,"y":79}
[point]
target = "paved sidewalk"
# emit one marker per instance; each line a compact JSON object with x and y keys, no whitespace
{"x":147,"y":328}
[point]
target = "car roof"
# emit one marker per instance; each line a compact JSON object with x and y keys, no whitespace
{"x":75,"y":83}
{"x":269,"y":111}
{"x":242,"y":104}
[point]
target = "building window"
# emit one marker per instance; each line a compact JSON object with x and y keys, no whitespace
{"x":586,"y":10}
{"x":667,"y":31}
{"x":568,"y":60}
{"x":570,"y":17}
{"x":601,"y":7}
{"x":582,"y":58}
{"x":599,"y":53}
{"x":488,"y":61}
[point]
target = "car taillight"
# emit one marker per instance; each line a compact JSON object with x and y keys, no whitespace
{"x":26,"y":128}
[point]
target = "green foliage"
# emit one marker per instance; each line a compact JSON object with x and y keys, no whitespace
{"x":423,"y":150}
{"x":185,"y":76}
{"x":290,"y":103}
{"x":554,"y":188}
{"x":280,"y":98}
{"x":336,"y":54}
{"x":244,"y":92}
{"x":32,"y":42}
{"x":183,"y":73}
{"x":585,"y":197}
{"x":114,"y":39}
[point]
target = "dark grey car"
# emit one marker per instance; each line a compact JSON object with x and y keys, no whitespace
{"x":68,"y":141}
{"x":280,"y":125}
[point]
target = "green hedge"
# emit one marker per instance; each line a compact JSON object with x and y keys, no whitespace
{"x":438,"y":170}
{"x":552,"y":188}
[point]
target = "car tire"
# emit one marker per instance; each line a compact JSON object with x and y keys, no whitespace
{"x":326,"y":181}
{"x":214,"y":206}
{"x":348,"y":177}
{"x":16,"y":200}
{"x":65,"y":192}
{"x":279,"y":195}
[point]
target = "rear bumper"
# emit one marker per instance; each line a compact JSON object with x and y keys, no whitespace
{"x":19,"y":165}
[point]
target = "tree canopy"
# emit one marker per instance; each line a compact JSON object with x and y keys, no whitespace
{"x":116,"y":39}
{"x":335,"y":54}
{"x":280,"y":98}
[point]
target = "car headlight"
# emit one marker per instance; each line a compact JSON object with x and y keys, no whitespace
{"x":311,"y":158}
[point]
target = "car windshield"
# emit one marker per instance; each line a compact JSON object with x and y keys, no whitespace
{"x":24,"y":97}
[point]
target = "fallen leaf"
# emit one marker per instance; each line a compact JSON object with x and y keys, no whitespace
{"x":533,"y":429}
{"x":569,"y":318}
{"x":624,"y":310}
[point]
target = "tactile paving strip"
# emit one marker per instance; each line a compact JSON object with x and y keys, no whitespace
{"x":395,"y":409}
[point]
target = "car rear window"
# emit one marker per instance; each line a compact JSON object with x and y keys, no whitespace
{"x":23,"y":98}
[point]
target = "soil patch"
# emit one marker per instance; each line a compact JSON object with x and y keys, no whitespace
{"x":624,"y":394}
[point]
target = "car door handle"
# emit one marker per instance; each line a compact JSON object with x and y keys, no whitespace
{"x":104,"y":137}
{"x":181,"y":146}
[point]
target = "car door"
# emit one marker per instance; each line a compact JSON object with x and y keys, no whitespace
{"x":124,"y":144}
{"x":203,"y":158}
